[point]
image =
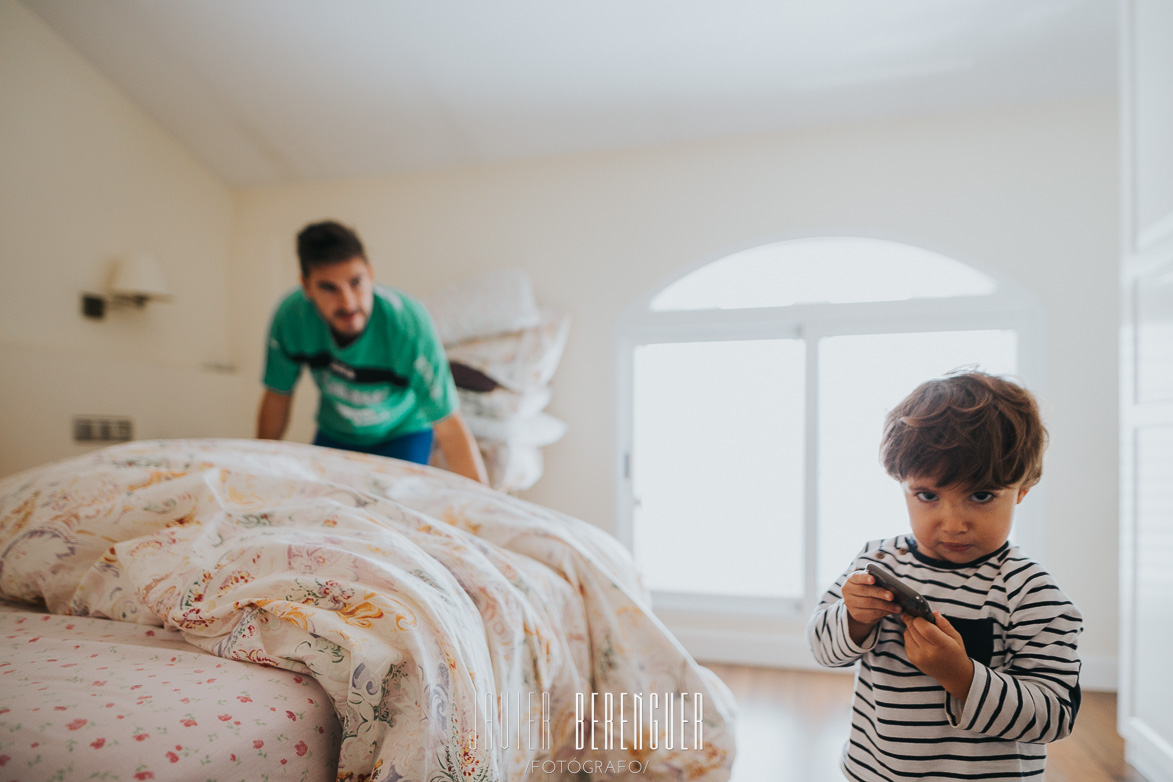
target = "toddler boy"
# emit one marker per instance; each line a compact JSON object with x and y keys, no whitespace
{"x":979,"y":693}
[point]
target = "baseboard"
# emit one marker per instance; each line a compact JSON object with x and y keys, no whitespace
{"x":1147,"y":751}
{"x":765,"y":650}
{"x":1099,"y":674}
{"x":1152,"y":766}
{"x":774,"y":650}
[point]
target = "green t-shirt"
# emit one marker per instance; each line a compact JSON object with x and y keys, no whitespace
{"x":391,"y":381}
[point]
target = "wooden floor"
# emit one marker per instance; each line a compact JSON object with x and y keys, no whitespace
{"x":792,"y":726}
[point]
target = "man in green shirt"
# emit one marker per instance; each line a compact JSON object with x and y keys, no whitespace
{"x":384,"y":379}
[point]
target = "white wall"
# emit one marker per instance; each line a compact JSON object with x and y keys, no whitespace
{"x":1029,"y":191}
{"x":86,"y":177}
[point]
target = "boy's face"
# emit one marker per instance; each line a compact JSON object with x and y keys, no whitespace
{"x":957,"y":524}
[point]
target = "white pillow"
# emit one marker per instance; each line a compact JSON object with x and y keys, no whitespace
{"x":503,"y":403}
{"x":494,"y":303}
{"x":510,"y":468}
{"x":521,"y":361}
{"x":538,"y":430}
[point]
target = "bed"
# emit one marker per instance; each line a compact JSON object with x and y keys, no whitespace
{"x":292,"y":612}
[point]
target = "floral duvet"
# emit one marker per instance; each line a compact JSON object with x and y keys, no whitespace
{"x":460,"y":634}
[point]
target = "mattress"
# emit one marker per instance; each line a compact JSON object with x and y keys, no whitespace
{"x":86,"y":698}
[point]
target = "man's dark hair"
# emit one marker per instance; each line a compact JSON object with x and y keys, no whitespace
{"x":326,"y":243}
{"x":967,"y":429}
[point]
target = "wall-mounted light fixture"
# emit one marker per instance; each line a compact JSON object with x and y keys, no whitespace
{"x":134,"y":282}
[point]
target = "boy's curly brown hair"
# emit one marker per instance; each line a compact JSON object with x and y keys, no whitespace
{"x":968,"y":429}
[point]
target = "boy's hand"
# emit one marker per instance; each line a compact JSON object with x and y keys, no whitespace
{"x":866,"y":604}
{"x":938,"y":651}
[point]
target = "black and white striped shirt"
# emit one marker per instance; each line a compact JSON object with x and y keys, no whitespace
{"x":1021,"y":633}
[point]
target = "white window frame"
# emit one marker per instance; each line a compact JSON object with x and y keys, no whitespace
{"x":1008,"y":308}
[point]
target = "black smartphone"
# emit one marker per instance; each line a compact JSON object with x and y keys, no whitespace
{"x":912,"y":602}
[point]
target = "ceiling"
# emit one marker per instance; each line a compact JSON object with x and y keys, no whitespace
{"x":281,"y":91}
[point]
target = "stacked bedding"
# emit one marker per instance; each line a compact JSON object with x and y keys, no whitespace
{"x":503,"y":349}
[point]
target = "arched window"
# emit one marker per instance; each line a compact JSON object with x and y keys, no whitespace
{"x":752,"y":396}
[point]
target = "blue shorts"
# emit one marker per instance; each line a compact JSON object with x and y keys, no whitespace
{"x":414,"y":447}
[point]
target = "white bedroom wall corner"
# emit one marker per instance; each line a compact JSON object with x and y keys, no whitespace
{"x":263,"y":267}
{"x":89,"y":178}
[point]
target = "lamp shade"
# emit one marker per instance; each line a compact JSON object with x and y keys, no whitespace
{"x":139,"y":277}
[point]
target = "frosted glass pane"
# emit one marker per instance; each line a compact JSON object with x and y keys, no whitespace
{"x":836,"y":270}
{"x":861,"y":378}
{"x":717,"y":466}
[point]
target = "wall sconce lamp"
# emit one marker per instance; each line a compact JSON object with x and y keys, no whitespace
{"x":135,"y":281}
